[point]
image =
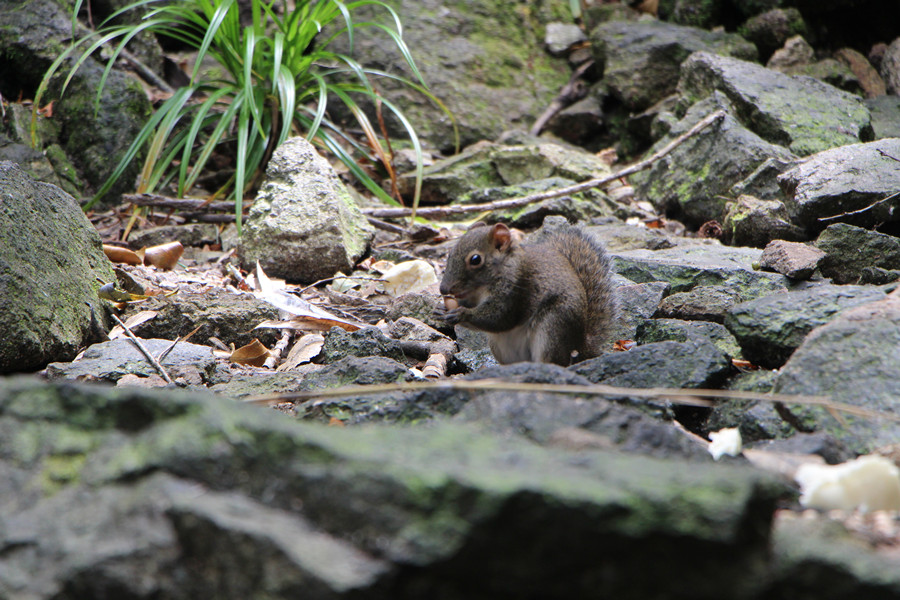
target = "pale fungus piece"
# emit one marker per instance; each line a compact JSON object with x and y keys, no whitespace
{"x":725,"y":441}
{"x":867,"y":483}
{"x":408,"y":277}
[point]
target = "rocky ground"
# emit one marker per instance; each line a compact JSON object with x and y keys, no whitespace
{"x":318,"y":432}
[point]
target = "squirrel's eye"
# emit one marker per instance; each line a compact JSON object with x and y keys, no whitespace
{"x":474,"y":260}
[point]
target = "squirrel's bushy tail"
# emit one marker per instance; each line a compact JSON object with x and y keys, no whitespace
{"x":593,"y":266}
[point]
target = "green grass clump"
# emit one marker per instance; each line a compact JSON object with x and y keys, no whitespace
{"x":279,"y":74}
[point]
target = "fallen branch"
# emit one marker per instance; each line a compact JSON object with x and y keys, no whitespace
{"x":143,"y":350}
{"x":443,"y":211}
{"x":195,"y":204}
{"x":861,"y":210}
{"x":574,"y":90}
{"x":688,"y":397}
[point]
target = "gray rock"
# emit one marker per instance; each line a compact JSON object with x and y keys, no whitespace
{"x":486,"y":65}
{"x":303,"y":225}
{"x":885,"y":111}
{"x":854,"y":360}
{"x":771,"y":29}
{"x":661,"y":330}
{"x":474,"y":352}
{"x":693,"y":364}
{"x":791,"y":259}
{"x":763,"y":181}
{"x":189,"y":234}
{"x":800,"y":113}
{"x":559,"y":37}
{"x":618,"y":237}
{"x":755,"y":419}
{"x":35,"y":34}
{"x":750,"y":221}
{"x":796,"y":53}
{"x":641,"y":59}
{"x":709,"y":164}
{"x":820,"y":444}
{"x":637,"y":303}
{"x":850,"y":250}
{"x":110,"y":361}
{"x":34,"y":163}
{"x":850,"y":179}
{"x":368,"y":341}
{"x":219,"y":313}
{"x":808,"y":550}
{"x":579,"y":123}
{"x":417,"y":306}
{"x":177,"y":496}
{"x":487,"y":166}
{"x":701,"y":303}
{"x":50,"y":260}
{"x":890,"y":67}
{"x":770,"y":329}
{"x":580,"y":207}
{"x":685,"y":267}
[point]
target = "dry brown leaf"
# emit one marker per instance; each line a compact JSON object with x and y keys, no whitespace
{"x":117,"y":254}
{"x":306,"y":316}
{"x":163,"y":256}
{"x":744,"y":365}
{"x":253,"y":354}
{"x":335,"y":422}
{"x":303,"y":351}
{"x":623,"y":345}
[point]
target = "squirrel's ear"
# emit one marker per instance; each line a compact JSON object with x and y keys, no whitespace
{"x":501,"y":236}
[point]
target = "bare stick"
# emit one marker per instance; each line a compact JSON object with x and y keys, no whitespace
{"x":861,"y":210}
{"x":159,"y":368}
{"x":573,"y":91}
{"x":160,"y":201}
{"x":442,"y":211}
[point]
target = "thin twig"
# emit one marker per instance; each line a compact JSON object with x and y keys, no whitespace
{"x":571,"y":92}
{"x":159,"y":368}
{"x":160,"y":201}
{"x":442,"y":211}
{"x":689,"y":397}
{"x":171,"y":347}
{"x":864,"y":209}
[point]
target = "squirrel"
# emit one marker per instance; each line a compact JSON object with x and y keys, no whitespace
{"x":543,"y":298}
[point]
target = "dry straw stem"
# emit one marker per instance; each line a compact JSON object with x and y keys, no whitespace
{"x":143,"y":350}
{"x":442,"y":211}
{"x":689,"y":397}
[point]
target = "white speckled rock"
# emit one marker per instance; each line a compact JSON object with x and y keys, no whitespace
{"x":304,"y":225}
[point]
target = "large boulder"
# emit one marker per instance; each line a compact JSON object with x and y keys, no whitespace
{"x":641,"y":59}
{"x":845,"y":184}
{"x":801,"y":113}
{"x":136,"y":494}
{"x":303,"y":225}
{"x":853,"y":359}
{"x":50,"y":260}
{"x":32,"y":34}
{"x":484,"y":60}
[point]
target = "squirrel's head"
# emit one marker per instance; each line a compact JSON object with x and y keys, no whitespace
{"x":475,"y":260}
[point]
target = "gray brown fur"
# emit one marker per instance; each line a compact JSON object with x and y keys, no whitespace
{"x":539,"y":299}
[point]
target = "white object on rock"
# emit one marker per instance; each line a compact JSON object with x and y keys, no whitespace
{"x":408,"y":277}
{"x":867,"y":483}
{"x":725,"y":441}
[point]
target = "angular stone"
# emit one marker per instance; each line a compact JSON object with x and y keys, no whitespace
{"x":770,"y":329}
{"x":890,"y":67}
{"x":50,"y":260}
{"x":708,"y":164}
{"x":701,"y":303}
{"x":791,"y":259}
{"x":800,"y":113}
{"x":685,"y":267}
{"x":750,"y":221}
{"x":661,"y":330}
{"x":854,"y":359}
{"x":851,"y":250}
{"x":641,"y":59}
{"x":303,"y":225}
{"x":845,"y":183}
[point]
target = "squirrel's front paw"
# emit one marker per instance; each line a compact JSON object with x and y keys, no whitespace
{"x":451,"y":312}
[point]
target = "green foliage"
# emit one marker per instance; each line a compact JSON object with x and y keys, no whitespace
{"x":279,"y":77}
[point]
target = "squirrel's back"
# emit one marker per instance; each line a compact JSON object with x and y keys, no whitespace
{"x":592,"y":265}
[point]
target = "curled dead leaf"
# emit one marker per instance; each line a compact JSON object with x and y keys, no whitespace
{"x":118,"y":254}
{"x":623,"y":345}
{"x":163,"y":256}
{"x":253,"y":354}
